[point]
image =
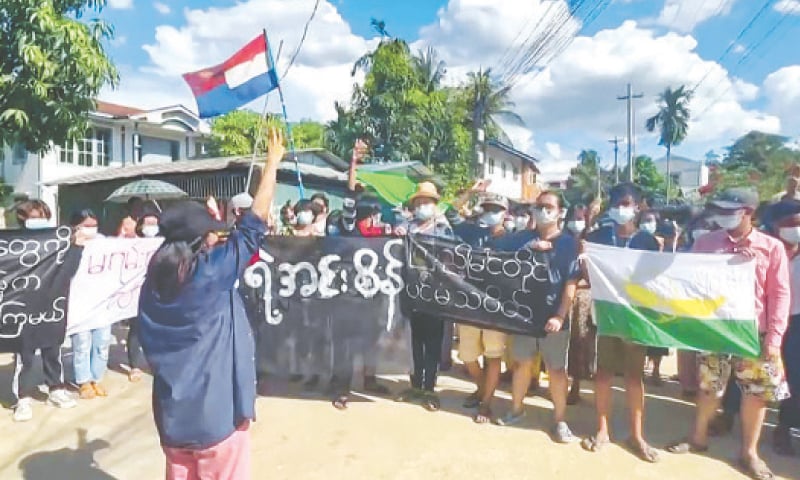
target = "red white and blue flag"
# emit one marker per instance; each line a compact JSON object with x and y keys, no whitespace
{"x":247,"y":75}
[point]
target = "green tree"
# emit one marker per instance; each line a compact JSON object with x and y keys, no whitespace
{"x":672,"y":120}
{"x":588,"y":179}
{"x":753,"y":150}
{"x":308,"y":134}
{"x":52,"y":66}
{"x":646,"y":175}
{"x":489,"y":103}
{"x":236,"y":133}
{"x":431,"y":69}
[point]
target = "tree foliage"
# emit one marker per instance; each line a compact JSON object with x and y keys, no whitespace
{"x":672,"y":121}
{"x":52,"y":67}
{"x":237,"y":132}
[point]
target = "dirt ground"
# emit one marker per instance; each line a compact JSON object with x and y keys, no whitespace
{"x":305,"y":438}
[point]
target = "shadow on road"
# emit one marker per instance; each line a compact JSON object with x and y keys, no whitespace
{"x":75,"y":463}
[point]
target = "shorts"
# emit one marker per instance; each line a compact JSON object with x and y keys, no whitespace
{"x":616,"y":356}
{"x":764,"y":379}
{"x":474,"y":342}
{"x":554,"y":349}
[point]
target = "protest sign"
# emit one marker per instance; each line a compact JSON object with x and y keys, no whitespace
{"x":495,"y":290}
{"x":35,"y":269}
{"x":310,"y":298}
{"x":106,"y":286}
{"x":686,"y":300}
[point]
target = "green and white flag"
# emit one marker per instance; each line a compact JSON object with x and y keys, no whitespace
{"x":686,"y":300}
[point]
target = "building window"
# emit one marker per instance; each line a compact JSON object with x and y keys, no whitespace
{"x":19,"y":154}
{"x":66,"y":154}
{"x":102,"y":138}
{"x":515,"y":171}
{"x":503,"y":169}
{"x":531,"y":177}
{"x":175,"y":151}
{"x":491,"y":166}
{"x":94,"y":150}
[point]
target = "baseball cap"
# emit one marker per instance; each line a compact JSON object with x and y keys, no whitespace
{"x":735,"y":198}
{"x":493,"y":199}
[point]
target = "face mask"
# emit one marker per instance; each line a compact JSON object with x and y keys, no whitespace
{"x":577,"y":226}
{"x":649,"y":227}
{"x":790,"y":234}
{"x":546,"y":216}
{"x":426,"y":211}
{"x":37,"y":223}
{"x":622,"y":215}
{"x":150,"y":231}
{"x":492,"y":219}
{"x":509,"y":226}
{"x":521,"y":223}
{"x":376,"y":219}
{"x":305,"y":218}
{"x":699,"y":233}
{"x":729,"y":222}
{"x":90,"y":232}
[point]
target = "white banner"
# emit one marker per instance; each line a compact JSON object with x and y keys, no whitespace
{"x":106,"y":287}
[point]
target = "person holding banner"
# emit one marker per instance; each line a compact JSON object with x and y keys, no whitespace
{"x":34,"y":215}
{"x":615,"y":355}
{"x":89,"y":348}
{"x":427,"y":333}
{"x":551,"y":306}
{"x":197,"y":337}
{"x":761,"y":380}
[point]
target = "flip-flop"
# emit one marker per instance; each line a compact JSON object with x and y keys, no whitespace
{"x":757,"y":470}
{"x":483,"y":416}
{"x":340,"y":403}
{"x":431,"y":403}
{"x":645,"y":452}
{"x":592,"y":444}
{"x":686,"y":446}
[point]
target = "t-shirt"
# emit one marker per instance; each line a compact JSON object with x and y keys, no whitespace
{"x":639,"y":241}
{"x":552,"y":270}
{"x":473,"y":234}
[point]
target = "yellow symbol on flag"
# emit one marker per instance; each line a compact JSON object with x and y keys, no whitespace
{"x":683,"y":307}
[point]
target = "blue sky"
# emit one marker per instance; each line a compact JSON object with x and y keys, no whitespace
{"x":568,"y":105}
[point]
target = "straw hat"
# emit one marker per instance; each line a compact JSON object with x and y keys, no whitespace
{"x":425,"y":190}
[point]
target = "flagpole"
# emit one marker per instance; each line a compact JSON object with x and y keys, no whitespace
{"x":271,"y":66}
{"x":256,"y":144}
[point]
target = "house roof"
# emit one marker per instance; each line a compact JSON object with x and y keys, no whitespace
{"x":116,"y":110}
{"x":332,"y":159}
{"x":517,"y":153}
{"x":190,"y":166}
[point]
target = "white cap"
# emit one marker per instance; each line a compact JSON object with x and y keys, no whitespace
{"x":243,"y":200}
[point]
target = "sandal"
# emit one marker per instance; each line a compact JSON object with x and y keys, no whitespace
{"x":430,"y":402}
{"x":472,"y":401}
{"x":644,"y":451}
{"x":340,"y":403}
{"x":484,"y":415}
{"x":593,"y":444}
{"x":99,"y":390}
{"x":135,"y":375}
{"x":757,"y":470}
{"x":86,"y":391}
{"x":686,"y":446}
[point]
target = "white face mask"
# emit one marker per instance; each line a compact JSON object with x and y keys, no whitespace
{"x":37,"y":223}
{"x":546,"y":216}
{"x":509,"y":226}
{"x":577,"y":226}
{"x":425,"y":211}
{"x":492,"y":219}
{"x":150,"y":231}
{"x":90,"y":232}
{"x":622,"y":215}
{"x":649,"y":227}
{"x":305,"y":217}
{"x":790,"y":234}
{"x":729,"y":222}
{"x":521,"y":223}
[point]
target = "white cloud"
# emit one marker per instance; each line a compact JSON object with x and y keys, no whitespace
{"x":788,"y":7}
{"x":782,"y":89}
{"x":553,"y":149}
{"x":685,"y":15}
{"x":119,"y":40}
{"x":120,"y":4}
{"x":739,"y":48}
{"x":162,"y":8}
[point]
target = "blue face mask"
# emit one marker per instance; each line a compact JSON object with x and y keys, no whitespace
{"x":37,"y":223}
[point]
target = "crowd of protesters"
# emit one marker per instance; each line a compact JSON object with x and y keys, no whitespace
{"x":190,"y":310}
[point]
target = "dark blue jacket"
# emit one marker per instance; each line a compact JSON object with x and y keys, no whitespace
{"x":200,"y":347}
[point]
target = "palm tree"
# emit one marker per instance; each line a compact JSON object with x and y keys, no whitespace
{"x":586,"y":178}
{"x":488,"y":101}
{"x":431,"y":69}
{"x":379,"y":26}
{"x":673,"y":121}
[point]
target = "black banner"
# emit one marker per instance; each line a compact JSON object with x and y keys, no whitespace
{"x":488,"y":289}
{"x":315,"y":303}
{"x":35,"y":271}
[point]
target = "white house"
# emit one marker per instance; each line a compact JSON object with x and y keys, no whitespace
{"x":119,"y":136}
{"x":513,"y":173}
{"x":688,"y":174}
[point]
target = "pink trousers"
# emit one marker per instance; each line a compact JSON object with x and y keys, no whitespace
{"x":227,"y":460}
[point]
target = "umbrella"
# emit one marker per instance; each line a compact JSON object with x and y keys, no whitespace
{"x":148,"y":190}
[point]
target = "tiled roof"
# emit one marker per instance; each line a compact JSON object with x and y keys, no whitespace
{"x":513,"y":151}
{"x":116,"y":110}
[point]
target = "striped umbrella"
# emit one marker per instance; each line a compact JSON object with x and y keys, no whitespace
{"x":147,"y":190}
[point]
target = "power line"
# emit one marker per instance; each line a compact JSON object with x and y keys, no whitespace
{"x":302,"y":40}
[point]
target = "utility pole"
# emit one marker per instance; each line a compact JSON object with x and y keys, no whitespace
{"x":629,"y":97}
{"x":616,"y":155}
